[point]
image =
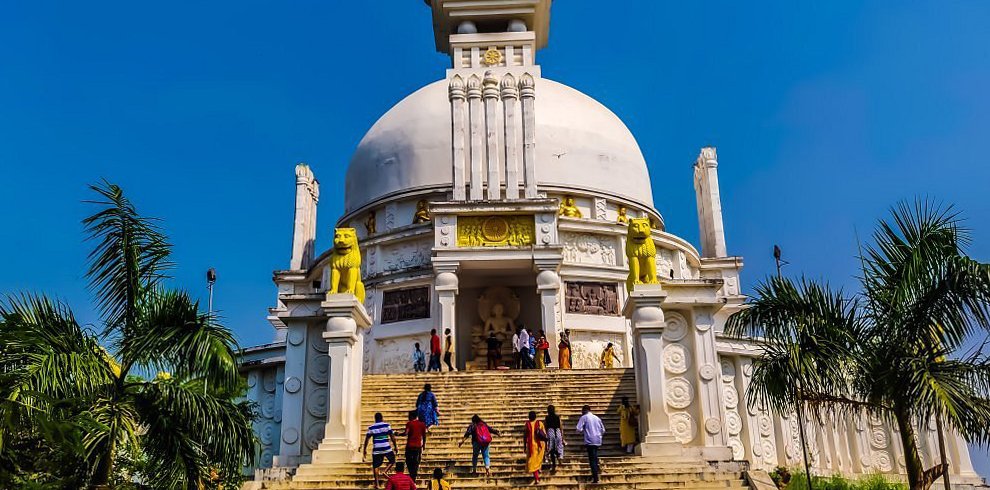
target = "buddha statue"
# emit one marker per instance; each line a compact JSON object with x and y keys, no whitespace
{"x":497,"y":322}
{"x":370,"y":224}
{"x":623,"y":217}
{"x":422,"y":213}
{"x":568,"y":209}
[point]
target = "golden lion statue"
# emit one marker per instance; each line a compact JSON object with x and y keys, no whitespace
{"x":641,"y":252}
{"x":345,"y":264}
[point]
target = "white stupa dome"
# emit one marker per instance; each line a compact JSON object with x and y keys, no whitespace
{"x":580,"y":145}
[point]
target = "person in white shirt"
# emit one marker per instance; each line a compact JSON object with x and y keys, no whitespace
{"x":516,"y":360}
{"x":593,"y":429}
{"x":524,"y":348}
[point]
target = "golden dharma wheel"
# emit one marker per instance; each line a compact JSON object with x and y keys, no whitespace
{"x":495,"y":229}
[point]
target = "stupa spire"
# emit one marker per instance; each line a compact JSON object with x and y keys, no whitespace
{"x":490,"y":33}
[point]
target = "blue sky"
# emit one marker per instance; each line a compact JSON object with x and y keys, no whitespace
{"x":824,"y":115}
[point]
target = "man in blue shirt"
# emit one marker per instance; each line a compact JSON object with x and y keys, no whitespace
{"x":382,"y":446}
{"x":592,"y":428}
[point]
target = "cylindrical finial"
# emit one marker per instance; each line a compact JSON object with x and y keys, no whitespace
{"x":491,"y":85}
{"x":509,"y":88}
{"x":456,"y":88}
{"x":527,"y":86}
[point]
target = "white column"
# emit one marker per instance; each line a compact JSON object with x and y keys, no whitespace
{"x":548,"y":286}
{"x":304,"y":223}
{"x":446,"y":284}
{"x":345,"y":338}
{"x":491,"y":136}
{"x":527,"y":94}
{"x":643,"y":309}
{"x":477,"y":130}
{"x":510,"y":94}
{"x":709,"y":204}
{"x":291,"y":436}
{"x":457,"y":114}
{"x":709,"y":385}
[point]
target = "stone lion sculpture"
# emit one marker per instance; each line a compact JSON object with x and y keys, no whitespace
{"x":345,"y":264}
{"x":641,"y":252}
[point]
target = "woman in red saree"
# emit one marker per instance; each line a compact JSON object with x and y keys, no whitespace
{"x":535,"y":445}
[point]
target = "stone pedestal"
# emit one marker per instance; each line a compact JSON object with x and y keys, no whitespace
{"x":345,"y":338}
{"x":643,"y":309}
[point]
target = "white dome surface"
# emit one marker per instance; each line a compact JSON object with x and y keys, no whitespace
{"x":580,"y":145}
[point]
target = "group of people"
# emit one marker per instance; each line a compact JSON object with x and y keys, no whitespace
{"x":529,"y":351}
{"x":543,"y":442}
{"x":419,"y":357}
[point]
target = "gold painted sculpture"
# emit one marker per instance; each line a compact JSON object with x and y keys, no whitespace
{"x":370,"y":223}
{"x":495,"y":231}
{"x":345,"y":264}
{"x":568,"y":209}
{"x":642,"y":253}
{"x":422,"y":213}
{"x":623,"y":217}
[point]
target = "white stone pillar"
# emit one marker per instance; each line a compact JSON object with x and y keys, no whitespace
{"x":291,"y":435}
{"x":457,"y":114}
{"x":477,"y":132}
{"x":709,"y":386}
{"x":345,"y":338}
{"x":491,"y":136}
{"x":643,"y":309}
{"x":446,"y":284}
{"x":304,"y":223}
{"x":548,"y":287}
{"x":510,"y":94}
{"x":709,"y":204}
{"x":527,"y":94}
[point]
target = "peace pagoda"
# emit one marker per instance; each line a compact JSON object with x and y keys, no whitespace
{"x":495,"y":198}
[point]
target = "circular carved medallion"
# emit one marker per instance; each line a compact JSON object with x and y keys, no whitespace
{"x":316,"y":403}
{"x":320,"y":372}
{"x":707,"y":372}
{"x":290,"y":435}
{"x":682,"y":426}
{"x":733,"y":423}
{"x":766,"y":425}
{"x":293,"y":384}
{"x":878,"y":438}
{"x":713,"y":425}
{"x":296,"y":336}
{"x":728,"y":371}
{"x":314,"y":435}
{"x":679,"y":393}
{"x":675,"y":327}
{"x":495,"y":229}
{"x":676,"y":359}
{"x":730,"y":396}
{"x":881,"y":461}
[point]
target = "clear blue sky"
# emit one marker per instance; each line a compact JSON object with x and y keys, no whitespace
{"x":824,"y":114}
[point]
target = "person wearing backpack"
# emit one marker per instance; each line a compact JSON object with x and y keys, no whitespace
{"x":481,"y":438}
{"x":535,"y":445}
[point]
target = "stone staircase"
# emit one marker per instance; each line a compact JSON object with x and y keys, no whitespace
{"x":503,"y":399}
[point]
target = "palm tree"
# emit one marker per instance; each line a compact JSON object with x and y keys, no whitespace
{"x":187,"y":421}
{"x":894,"y":349}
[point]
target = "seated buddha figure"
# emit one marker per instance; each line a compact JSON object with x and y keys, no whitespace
{"x":568,"y":209}
{"x":497,"y":322}
{"x":422,"y":213}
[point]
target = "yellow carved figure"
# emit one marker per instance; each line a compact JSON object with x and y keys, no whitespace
{"x":568,"y":209}
{"x":422,"y":213}
{"x":370,"y":224}
{"x":641,"y":252}
{"x":345,"y":264}
{"x":623,"y":217}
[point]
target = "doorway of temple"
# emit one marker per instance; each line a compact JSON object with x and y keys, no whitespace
{"x":485,"y":309}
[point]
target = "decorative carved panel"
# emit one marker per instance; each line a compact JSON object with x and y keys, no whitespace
{"x":405,"y":304}
{"x":495,"y":231}
{"x":581,"y":248}
{"x":592,"y":298}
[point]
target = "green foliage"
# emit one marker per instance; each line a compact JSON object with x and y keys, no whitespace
{"x":65,"y":396}
{"x":799,"y":481}
{"x":893,"y":348}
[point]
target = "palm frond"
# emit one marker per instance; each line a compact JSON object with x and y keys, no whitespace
{"x":172,"y":334}
{"x":131,"y":254}
{"x":188,"y":431}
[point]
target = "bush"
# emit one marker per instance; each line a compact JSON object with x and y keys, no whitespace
{"x":872,"y":482}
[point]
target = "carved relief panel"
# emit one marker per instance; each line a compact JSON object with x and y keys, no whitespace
{"x":581,"y":248}
{"x":587,"y":347}
{"x":592,"y":298}
{"x":495,"y":231}
{"x":405,"y":304}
